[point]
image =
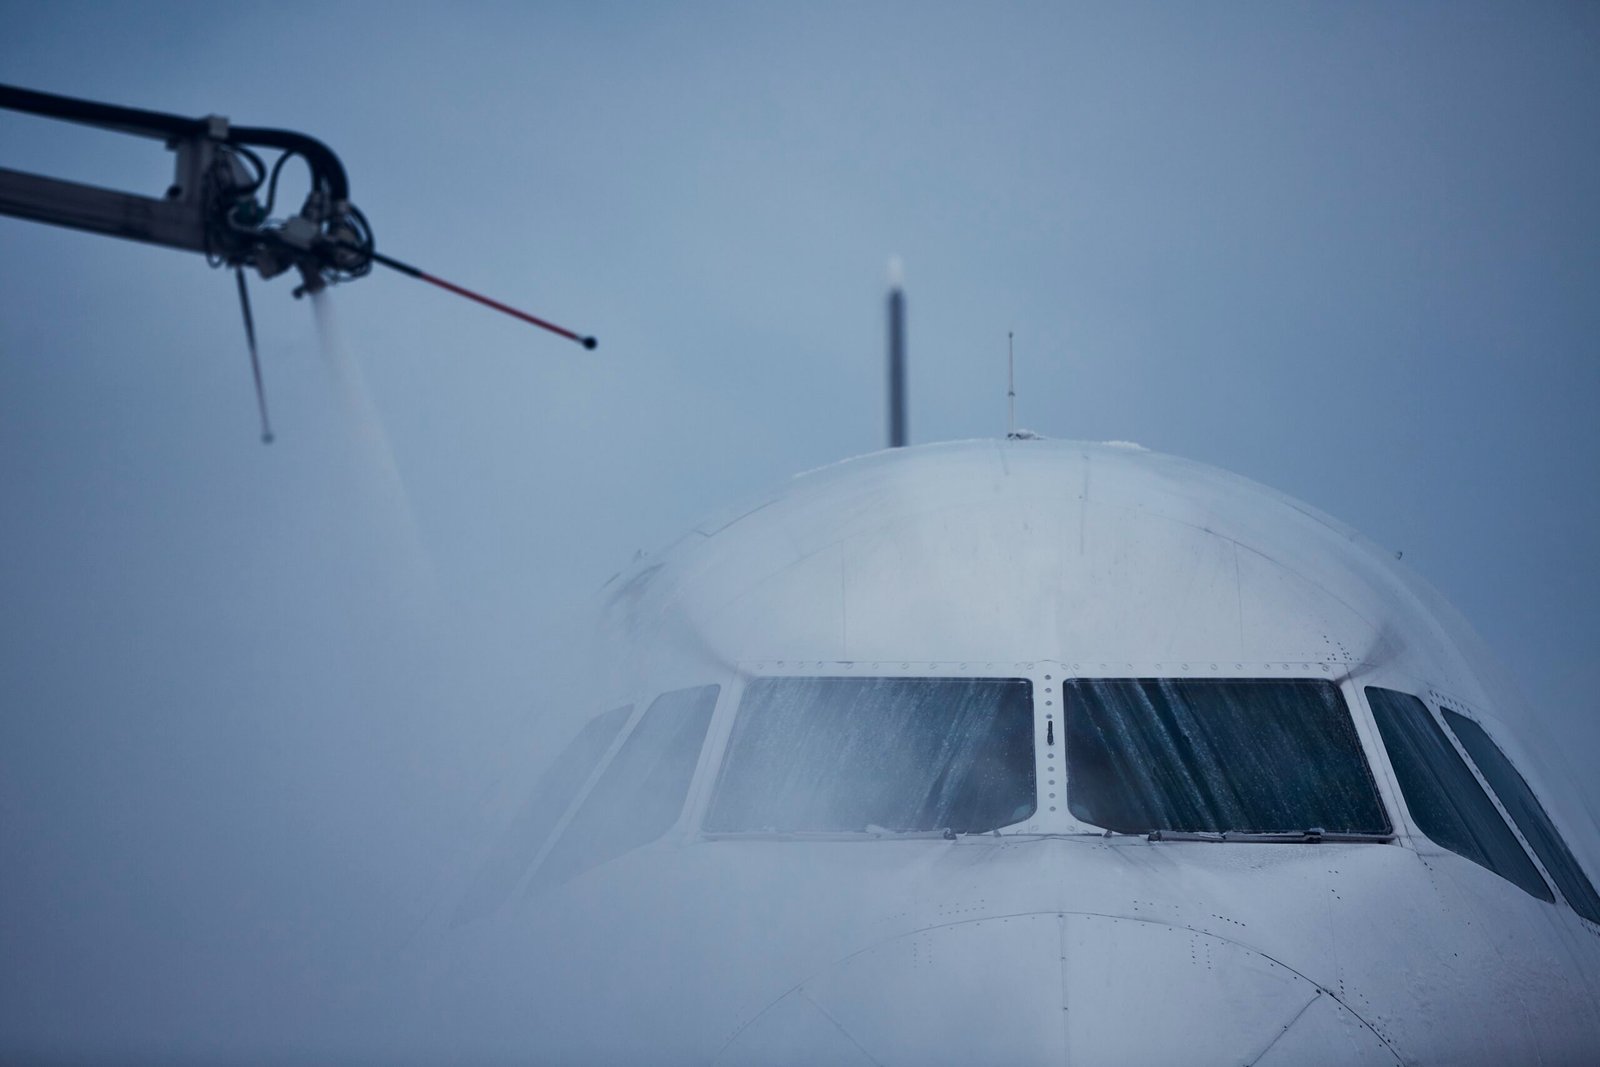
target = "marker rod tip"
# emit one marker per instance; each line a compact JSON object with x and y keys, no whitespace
{"x":589,"y":342}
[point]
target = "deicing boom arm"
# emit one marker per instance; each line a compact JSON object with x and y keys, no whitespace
{"x":207,"y":207}
{"x":212,"y":205}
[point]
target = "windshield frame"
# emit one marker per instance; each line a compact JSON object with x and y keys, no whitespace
{"x":1051,"y":817}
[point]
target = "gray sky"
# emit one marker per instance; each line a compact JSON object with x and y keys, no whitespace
{"x":256,"y":697}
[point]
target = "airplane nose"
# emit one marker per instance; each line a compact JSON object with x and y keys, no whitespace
{"x":1058,"y":988}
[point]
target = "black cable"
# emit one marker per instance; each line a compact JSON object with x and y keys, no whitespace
{"x":326,"y":169}
{"x":364,"y":250}
{"x":107,"y":116}
{"x":255,"y":162}
{"x":364,"y":226}
{"x":272,"y":181}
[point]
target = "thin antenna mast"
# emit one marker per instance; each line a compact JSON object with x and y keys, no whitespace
{"x":1011,"y":387}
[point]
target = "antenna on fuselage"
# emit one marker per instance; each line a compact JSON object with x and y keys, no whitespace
{"x":1012,"y":433}
{"x":897,"y":355}
{"x":1011,"y":386}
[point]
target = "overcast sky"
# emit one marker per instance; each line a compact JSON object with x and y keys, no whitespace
{"x":255,"y":697}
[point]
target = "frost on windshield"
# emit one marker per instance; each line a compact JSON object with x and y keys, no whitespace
{"x":1216,"y":755}
{"x":846,"y":755}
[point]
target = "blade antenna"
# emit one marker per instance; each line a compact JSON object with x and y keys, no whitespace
{"x":255,"y":358}
{"x":406,"y":268}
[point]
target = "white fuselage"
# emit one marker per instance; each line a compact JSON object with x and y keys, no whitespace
{"x":1044,"y":940}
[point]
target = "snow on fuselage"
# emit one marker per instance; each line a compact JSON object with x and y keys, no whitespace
{"x":772,"y":856}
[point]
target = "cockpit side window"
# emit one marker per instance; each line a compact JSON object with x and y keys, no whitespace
{"x":1529,"y":815}
{"x":900,"y":755}
{"x":1217,"y":755}
{"x":531,"y":825}
{"x":640,"y":794}
{"x":1445,"y":799}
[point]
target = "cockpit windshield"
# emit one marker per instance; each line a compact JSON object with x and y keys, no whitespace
{"x":901,"y":755}
{"x":1218,"y":756}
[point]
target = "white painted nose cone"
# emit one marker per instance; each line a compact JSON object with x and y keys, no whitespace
{"x":1011,"y":990}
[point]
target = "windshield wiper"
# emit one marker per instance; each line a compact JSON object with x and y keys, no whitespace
{"x":869,"y":833}
{"x":883,"y":831}
{"x":1315,"y":835}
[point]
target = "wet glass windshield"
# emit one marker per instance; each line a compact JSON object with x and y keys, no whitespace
{"x":1216,"y":755}
{"x":1445,"y":799}
{"x":1529,"y":815}
{"x":848,"y":755}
